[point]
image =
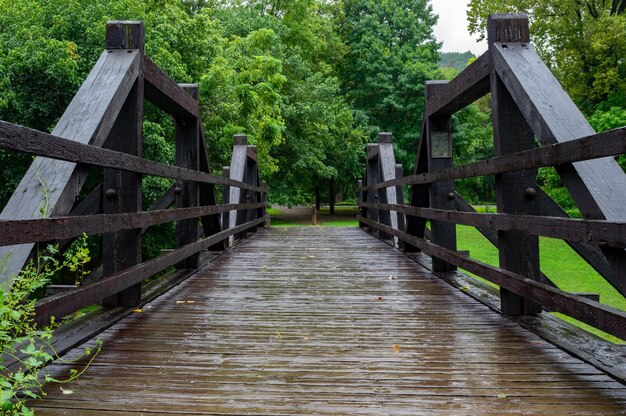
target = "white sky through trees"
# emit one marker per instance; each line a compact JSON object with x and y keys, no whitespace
{"x":452,"y":27}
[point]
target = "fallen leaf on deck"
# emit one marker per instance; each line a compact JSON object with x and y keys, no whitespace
{"x":501,"y":396}
{"x":67,"y":391}
{"x":137,"y":310}
{"x":395,"y":347}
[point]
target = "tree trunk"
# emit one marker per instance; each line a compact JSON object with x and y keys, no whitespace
{"x":318,"y":198}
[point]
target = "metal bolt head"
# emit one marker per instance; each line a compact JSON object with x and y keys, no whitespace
{"x":530,"y":193}
{"x":178,"y":190}
{"x":110,"y":194}
{"x":451,"y":196}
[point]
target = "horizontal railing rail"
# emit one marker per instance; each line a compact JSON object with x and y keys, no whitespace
{"x":608,"y":143}
{"x":110,"y":138}
{"x":583,"y":158}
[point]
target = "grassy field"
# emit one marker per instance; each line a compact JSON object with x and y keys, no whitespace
{"x":558,"y":260}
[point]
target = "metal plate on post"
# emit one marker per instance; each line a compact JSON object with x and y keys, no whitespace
{"x":440,"y":145}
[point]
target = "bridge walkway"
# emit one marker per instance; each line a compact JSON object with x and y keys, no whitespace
{"x":325,"y":321}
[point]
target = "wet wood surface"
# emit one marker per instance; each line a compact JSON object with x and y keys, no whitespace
{"x":325,"y":321}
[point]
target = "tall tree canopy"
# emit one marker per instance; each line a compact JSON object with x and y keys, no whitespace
{"x":582,"y":40}
{"x":392,"y":52}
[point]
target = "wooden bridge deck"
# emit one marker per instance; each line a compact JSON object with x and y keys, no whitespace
{"x":326,"y":321}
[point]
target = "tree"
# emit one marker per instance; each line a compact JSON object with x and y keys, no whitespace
{"x":582,"y":41}
{"x":392,"y":52}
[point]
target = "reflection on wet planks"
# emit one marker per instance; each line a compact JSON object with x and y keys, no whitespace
{"x":327,"y":321}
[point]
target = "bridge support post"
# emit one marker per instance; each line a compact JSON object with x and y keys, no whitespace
{"x":419,"y":196}
{"x":187,"y":192}
{"x":441,"y":194}
{"x":362,"y":196}
{"x":371,"y":178}
{"x":122,"y":190}
{"x":515,"y":191}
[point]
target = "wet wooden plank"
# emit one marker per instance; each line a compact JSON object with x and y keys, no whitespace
{"x":326,"y":321}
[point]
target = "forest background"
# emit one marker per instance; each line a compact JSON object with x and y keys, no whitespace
{"x":309,"y":81}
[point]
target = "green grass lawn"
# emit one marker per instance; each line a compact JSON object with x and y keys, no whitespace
{"x":558,"y":261}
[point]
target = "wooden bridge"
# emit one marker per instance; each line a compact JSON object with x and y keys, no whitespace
{"x":262,"y":320}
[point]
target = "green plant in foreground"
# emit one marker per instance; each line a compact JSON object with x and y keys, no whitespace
{"x":25,"y":342}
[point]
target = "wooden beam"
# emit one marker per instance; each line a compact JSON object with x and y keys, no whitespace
{"x":88,"y":119}
{"x":439,"y":129}
{"x":601,"y":316}
{"x":238,"y":163}
{"x":470,"y":85}
{"x":515,"y":191}
{"x":591,"y":254}
{"x":66,"y":303}
{"x":598,"y":187}
{"x":188,"y":195}
{"x":597,"y":232}
{"x":387,"y":165}
{"x":598,"y":145}
{"x":213,"y":223}
{"x":122,"y":189}
{"x":419,"y":196}
{"x":31,"y":141}
{"x":46,"y":229}
{"x":166,"y":94}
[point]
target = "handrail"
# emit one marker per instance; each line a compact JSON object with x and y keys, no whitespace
{"x":524,"y":211}
{"x":38,"y":143}
{"x":114,"y":210}
{"x":608,"y":143}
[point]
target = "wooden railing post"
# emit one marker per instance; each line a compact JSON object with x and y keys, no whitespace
{"x":362,"y":197}
{"x":418,"y":197}
{"x":441,"y":194}
{"x":238,"y":169}
{"x":122,"y":190}
{"x":371,"y":176}
{"x":389,"y":195}
{"x":515,"y":191}
{"x":187,"y":192}
{"x":252,"y":178}
{"x":263,"y":197}
{"x":400,"y":201}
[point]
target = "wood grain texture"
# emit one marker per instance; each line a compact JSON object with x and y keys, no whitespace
{"x":467,"y":87}
{"x":166,"y":94}
{"x":279,"y":326}
{"x":599,"y":145}
{"x":518,"y":251}
{"x":122,"y":249}
{"x":35,"y":142}
{"x":569,"y":229}
{"x":187,"y":140}
{"x":599,"y":186}
{"x":387,"y":161}
{"x":46,"y":229}
{"x":88,"y":119}
{"x":442,"y":233}
{"x":66,"y":303}
{"x":598,"y":315}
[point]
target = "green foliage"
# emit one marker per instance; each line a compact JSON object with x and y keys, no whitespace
{"x":472,"y":142}
{"x":582,"y":41}
{"x":24,"y":341}
{"x":392,"y":52}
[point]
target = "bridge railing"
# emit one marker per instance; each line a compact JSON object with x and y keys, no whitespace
{"x":527,"y":104}
{"x":102,"y":127}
